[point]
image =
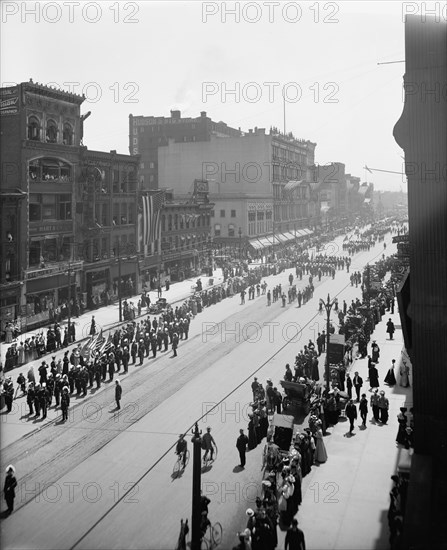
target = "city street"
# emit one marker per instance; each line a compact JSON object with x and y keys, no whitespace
{"x":104,"y":479}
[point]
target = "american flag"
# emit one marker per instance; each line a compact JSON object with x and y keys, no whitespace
{"x":106,"y":345}
{"x":151,"y":217}
{"x":93,"y":345}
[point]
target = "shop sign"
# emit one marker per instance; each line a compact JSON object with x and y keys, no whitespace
{"x":9,"y":101}
{"x":48,"y":271}
{"x":48,"y":229}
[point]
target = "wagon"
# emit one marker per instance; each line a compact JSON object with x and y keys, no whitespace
{"x":159,"y":306}
{"x":297,"y":399}
{"x":283,"y":431}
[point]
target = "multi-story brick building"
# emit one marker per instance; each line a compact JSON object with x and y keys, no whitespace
{"x":186,"y":246}
{"x":259,"y":183}
{"x":106,"y":223}
{"x":40,"y":146}
{"x":67,"y":213}
{"x":148,"y":133}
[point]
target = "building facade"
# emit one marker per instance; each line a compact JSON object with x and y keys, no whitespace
{"x":186,"y":245}
{"x":106,"y":225}
{"x":148,"y":133}
{"x":40,"y":148}
{"x":68,"y":215}
{"x":259,"y":183}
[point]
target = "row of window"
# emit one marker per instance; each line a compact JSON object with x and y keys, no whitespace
{"x":152,"y":128}
{"x":49,"y":170}
{"x":49,"y":207}
{"x":222,"y":214}
{"x":51,"y":133}
{"x":123,"y":214}
{"x":184,"y":242}
{"x":174,"y":222}
{"x":231,"y":230}
{"x":50,"y":250}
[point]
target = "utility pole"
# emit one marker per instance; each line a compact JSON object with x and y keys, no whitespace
{"x":69,"y":300}
{"x":196,"y":481}
{"x":119,"y":287}
{"x":328,"y":306}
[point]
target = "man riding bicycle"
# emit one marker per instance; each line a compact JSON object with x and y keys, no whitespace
{"x":181,"y":448}
{"x":208,"y":444}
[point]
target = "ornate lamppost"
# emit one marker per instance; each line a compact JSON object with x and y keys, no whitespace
{"x":328,"y":305}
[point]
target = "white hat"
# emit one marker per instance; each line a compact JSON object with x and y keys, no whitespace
{"x":10,"y":468}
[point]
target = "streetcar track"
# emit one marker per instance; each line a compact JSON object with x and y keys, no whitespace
{"x":216,"y":405}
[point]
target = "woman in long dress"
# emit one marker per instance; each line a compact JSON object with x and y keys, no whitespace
{"x":373,"y":376}
{"x":390,"y":378}
{"x":320,"y":452}
{"x":404,"y":375}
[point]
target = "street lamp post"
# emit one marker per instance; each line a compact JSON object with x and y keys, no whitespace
{"x":328,"y":305}
{"x":68,"y":273}
{"x":368,"y":285}
{"x":196,"y":475}
{"x":240,"y":243}
{"x":119,"y":289}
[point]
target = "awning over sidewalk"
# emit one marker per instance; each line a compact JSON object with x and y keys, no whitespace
{"x":256,"y":244}
{"x":264,"y":241}
{"x":289,"y":236}
{"x":281,"y":237}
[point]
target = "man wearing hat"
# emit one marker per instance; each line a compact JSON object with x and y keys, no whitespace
{"x":8,"y":392}
{"x":118,"y":393}
{"x":254,"y":387}
{"x":357,"y":382}
{"x":9,"y":488}
{"x":383,"y":405}
{"x":65,"y":403}
{"x":241,"y":445}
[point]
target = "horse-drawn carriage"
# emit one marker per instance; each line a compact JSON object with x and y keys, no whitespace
{"x":297,"y":399}
{"x":160,"y":305}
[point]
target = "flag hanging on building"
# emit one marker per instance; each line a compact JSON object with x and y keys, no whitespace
{"x":151,"y":217}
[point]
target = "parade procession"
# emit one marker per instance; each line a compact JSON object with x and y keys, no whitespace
{"x":223,"y":293}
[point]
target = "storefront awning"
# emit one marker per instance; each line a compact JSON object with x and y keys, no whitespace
{"x":307,"y":231}
{"x":289,"y":235}
{"x":256,"y":244}
{"x":324,"y":208}
{"x":282,"y":238}
{"x":264,"y":241}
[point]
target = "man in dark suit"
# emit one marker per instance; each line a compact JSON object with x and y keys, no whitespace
{"x":241,"y":445}
{"x":357,"y":381}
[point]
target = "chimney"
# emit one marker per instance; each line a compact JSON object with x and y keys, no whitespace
{"x":113,"y":151}
{"x":203,"y":114}
{"x":260,"y":131}
{"x":250,"y":131}
{"x":175,"y":114}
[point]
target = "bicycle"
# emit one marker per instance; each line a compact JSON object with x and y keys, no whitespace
{"x":215,"y":537}
{"x":208,"y":460}
{"x":179,"y":466}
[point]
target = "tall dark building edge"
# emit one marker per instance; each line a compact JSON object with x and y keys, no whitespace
{"x":422,"y":133}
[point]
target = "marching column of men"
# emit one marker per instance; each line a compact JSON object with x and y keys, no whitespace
{"x":81,"y":368}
